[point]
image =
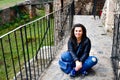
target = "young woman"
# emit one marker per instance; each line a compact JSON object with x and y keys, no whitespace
{"x":77,"y":56}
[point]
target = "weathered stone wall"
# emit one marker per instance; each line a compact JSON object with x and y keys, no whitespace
{"x":28,"y":7}
{"x":9,"y":14}
{"x":58,"y":4}
{"x":108,"y":14}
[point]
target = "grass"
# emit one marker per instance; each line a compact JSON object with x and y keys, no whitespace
{"x":30,"y":45}
{"x":8,"y":3}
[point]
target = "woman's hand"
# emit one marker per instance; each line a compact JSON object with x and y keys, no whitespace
{"x":78,"y":65}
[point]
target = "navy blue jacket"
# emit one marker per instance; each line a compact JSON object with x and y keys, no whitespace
{"x":80,"y":51}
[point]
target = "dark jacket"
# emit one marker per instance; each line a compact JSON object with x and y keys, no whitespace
{"x":80,"y":51}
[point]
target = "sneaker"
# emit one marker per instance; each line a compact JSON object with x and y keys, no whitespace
{"x":84,"y":73}
{"x":73,"y":73}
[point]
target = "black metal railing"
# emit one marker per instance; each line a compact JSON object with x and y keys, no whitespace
{"x":27,"y":51}
{"x":116,"y":47}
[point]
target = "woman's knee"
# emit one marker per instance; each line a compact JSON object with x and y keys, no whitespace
{"x":66,"y":56}
{"x":91,"y":61}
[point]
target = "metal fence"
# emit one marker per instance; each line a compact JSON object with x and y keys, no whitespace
{"x":27,"y":51}
{"x":116,"y":47}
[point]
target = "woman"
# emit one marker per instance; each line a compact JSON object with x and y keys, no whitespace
{"x":77,"y":56}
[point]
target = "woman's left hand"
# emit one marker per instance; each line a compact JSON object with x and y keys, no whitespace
{"x":78,"y":65}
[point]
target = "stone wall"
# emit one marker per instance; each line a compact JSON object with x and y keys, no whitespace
{"x":108,"y":14}
{"x":9,"y":14}
{"x":57,"y":5}
{"x":28,"y":7}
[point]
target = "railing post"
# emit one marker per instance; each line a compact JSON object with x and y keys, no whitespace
{"x":4,"y":59}
{"x":57,"y":24}
{"x":116,"y":46}
{"x":72,"y":13}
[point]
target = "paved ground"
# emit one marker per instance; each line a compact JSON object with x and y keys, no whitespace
{"x":101,"y":48}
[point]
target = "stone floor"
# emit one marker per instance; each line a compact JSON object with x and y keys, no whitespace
{"x":101,"y":48}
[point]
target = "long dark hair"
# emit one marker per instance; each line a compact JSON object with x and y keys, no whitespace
{"x":72,"y":36}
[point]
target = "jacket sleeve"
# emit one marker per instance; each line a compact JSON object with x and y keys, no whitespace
{"x":71,"y":50}
{"x":86,"y":49}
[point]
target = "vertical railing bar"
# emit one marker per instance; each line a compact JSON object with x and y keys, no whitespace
{"x":46,"y":39}
{"x":48,"y":42}
{"x":6,"y":71}
{"x":29,"y":65}
{"x":32,"y":52}
{"x":49,"y":36}
{"x":50,"y":25}
{"x":40,"y":42}
{"x":36,"y":46}
{"x":49,"y":47}
{"x":21,"y":34}
{"x":53,"y":37}
{"x":39,"y":52}
{"x":18,"y":54}
{"x":43,"y":42}
{"x":48,"y":61}
{"x":11,"y":52}
{"x":46,"y":32}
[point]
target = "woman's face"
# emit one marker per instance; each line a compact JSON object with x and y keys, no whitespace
{"x":78,"y":32}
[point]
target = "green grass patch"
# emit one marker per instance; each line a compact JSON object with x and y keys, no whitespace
{"x":9,"y":3}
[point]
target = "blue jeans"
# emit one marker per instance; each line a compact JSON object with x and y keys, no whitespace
{"x":88,"y":63}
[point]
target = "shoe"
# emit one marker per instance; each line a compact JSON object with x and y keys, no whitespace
{"x":73,"y":73}
{"x":84,"y":73}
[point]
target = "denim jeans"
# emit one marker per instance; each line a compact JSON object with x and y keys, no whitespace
{"x":87,"y":64}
